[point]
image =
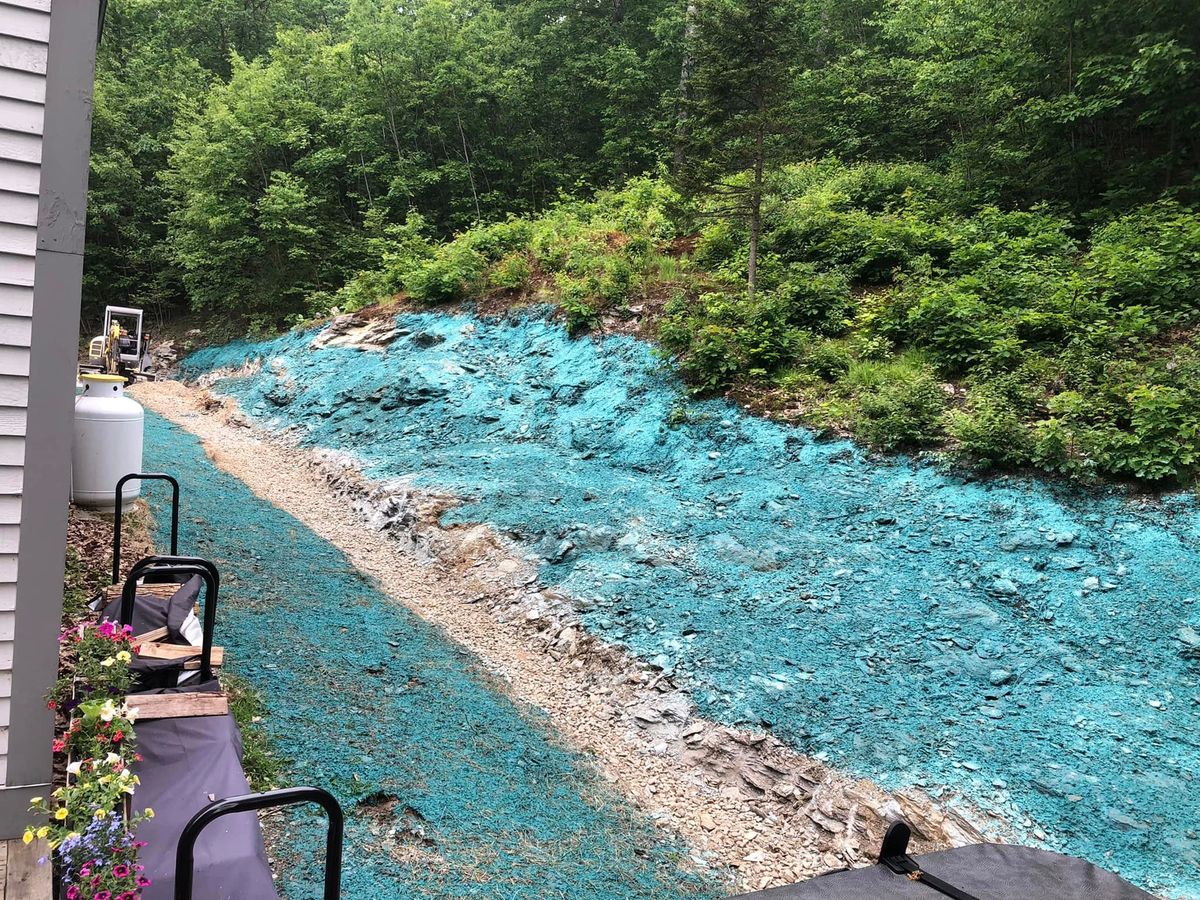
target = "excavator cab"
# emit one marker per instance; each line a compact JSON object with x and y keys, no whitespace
{"x":124,"y":347}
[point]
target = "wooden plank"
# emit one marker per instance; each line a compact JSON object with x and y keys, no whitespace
{"x":21,"y":115}
{"x":15,"y":331}
{"x":179,"y":706}
{"x":14,"y":361}
{"x":20,"y":177}
{"x":16,"y":269}
{"x":18,"y":85}
{"x":12,"y":421}
{"x":25,"y":56}
{"x":156,"y":650}
{"x":18,"y":239}
{"x":158,"y":591}
{"x":14,"y":390}
{"x":19,"y":209}
{"x":12,"y":479}
{"x":26,"y":880}
{"x":43,"y":5}
{"x":155,"y":634}
{"x":15,"y":299}
{"x":20,"y":21}
{"x":21,"y":147}
{"x":12,"y":453}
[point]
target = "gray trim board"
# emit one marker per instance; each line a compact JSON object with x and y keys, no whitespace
{"x":58,"y":273}
{"x":14,"y":807}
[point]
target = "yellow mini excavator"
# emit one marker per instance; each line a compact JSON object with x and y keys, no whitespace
{"x":124,"y":348}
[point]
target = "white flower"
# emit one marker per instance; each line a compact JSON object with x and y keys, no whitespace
{"x":74,"y":768}
{"x":108,"y":710}
{"x":130,"y":713}
{"x":112,"y":758}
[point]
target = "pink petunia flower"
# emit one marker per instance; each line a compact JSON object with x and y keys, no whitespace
{"x":121,"y":870}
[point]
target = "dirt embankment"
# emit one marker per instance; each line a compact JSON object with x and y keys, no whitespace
{"x":739,"y":799}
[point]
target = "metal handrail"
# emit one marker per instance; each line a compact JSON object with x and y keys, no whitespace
{"x":185,"y":854}
{"x":143,"y":476}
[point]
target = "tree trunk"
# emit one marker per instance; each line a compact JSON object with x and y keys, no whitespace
{"x":618,"y":11}
{"x":466,"y":153}
{"x":682,"y":125}
{"x":366,"y":181}
{"x":756,"y":196}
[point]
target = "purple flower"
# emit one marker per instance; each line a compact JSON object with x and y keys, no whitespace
{"x":121,"y":870}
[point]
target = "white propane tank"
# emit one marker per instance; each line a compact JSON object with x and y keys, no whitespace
{"x":107,"y":442}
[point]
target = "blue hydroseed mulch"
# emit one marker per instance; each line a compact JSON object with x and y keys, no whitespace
{"x":1037,"y":649}
{"x":450,"y":790}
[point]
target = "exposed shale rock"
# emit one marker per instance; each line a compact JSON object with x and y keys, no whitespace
{"x":358,"y":332}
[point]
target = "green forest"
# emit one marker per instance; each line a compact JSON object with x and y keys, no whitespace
{"x":960,"y":226}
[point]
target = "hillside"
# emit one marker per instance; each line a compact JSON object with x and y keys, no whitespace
{"x":966,"y":226}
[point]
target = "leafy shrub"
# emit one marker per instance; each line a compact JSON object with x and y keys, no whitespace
{"x":718,"y":245}
{"x":821,"y":228}
{"x":712,"y":360}
{"x":991,"y":432}
{"x":1165,"y":439}
{"x":575,"y":300}
{"x":827,"y":359}
{"x":899,"y":405}
{"x":814,"y":300}
{"x":616,"y":280}
{"x":512,"y":272}
{"x":953,"y":325}
{"x":452,"y":273}
{"x":498,"y":239}
{"x":879,"y":187}
{"x":1150,"y":258}
{"x":359,"y":292}
{"x":997,"y":248}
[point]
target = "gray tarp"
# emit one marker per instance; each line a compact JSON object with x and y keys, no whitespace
{"x":988,"y":871}
{"x":186,"y":763}
{"x":150,"y":613}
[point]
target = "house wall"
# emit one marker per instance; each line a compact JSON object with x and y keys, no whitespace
{"x":24,"y":40}
{"x":47,"y":59}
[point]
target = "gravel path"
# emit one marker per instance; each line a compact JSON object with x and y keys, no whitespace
{"x":739,"y":799}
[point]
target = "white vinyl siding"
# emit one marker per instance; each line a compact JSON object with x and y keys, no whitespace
{"x":24,"y":34}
